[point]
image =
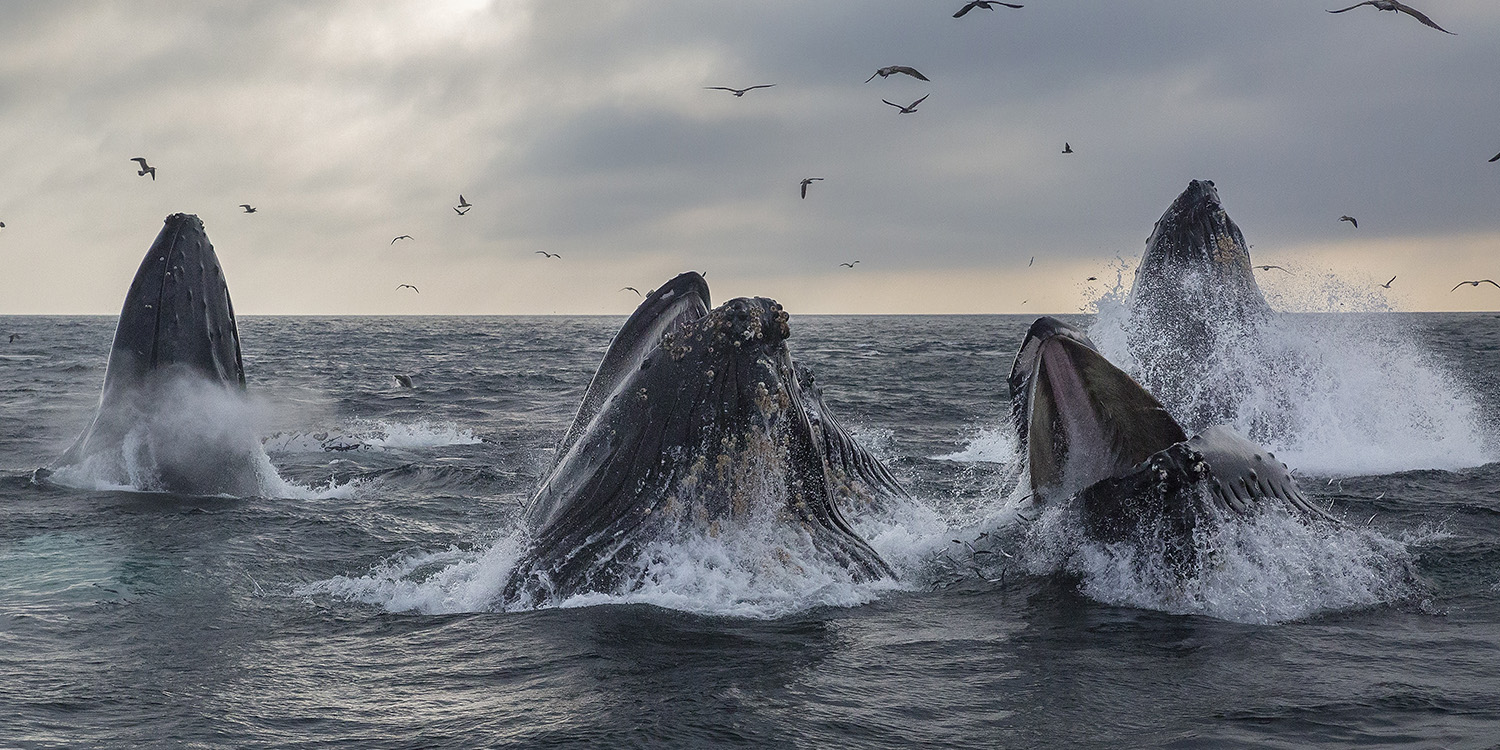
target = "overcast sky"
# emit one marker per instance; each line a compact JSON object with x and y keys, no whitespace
{"x":584,"y":129}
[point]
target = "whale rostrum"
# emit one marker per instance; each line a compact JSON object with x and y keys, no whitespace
{"x":176,"y":352}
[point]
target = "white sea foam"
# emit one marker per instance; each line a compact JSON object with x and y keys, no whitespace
{"x":374,"y":435}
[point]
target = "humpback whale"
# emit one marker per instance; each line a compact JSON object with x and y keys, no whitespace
{"x":176,"y":352}
{"x":1194,"y":295}
{"x":697,"y":421}
{"x":1093,"y":434}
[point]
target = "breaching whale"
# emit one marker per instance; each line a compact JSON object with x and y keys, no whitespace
{"x":1092,"y":433}
{"x":176,"y":354}
{"x":696,"y":422}
{"x":1194,"y":297}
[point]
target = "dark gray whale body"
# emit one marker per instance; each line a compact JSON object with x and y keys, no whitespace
{"x":696,"y":421}
{"x":1194,"y":297}
{"x":176,"y":344}
{"x":1094,"y":434}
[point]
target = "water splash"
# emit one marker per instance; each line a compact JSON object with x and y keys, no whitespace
{"x":1271,"y":567}
{"x":1332,"y":395}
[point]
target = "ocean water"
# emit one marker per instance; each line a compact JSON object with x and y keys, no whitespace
{"x":353,"y":603}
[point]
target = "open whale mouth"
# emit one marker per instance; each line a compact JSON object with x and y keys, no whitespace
{"x":1093,"y":434}
{"x":696,"y":423}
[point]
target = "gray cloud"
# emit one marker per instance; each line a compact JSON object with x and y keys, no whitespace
{"x":585,"y":129}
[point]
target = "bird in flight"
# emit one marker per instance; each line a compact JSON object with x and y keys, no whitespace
{"x":1029,"y":262}
{"x":1067,"y":149}
{"x":1092,"y":278}
{"x":249,"y":209}
{"x":1351,"y":220}
{"x":740,"y":92}
{"x":849,"y":265}
{"x":631,"y":288}
{"x":549,"y":255}
{"x":408,"y":286}
{"x":1473,"y":283}
{"x":1267,"y":268}
{"x":145,"y":168}
{"x":891,"y":70}
{"x":986,"y":4}
{"x":402,"y":237}
{"x":2,"y":225}
{"x":1393,"y":5}
{"x":908,"y":109}
{"x":1387,"y":284}
{"x":808,"y":181}
{"x":13,"y":338}
{"x":463,"y":203}
{"x":461,"y":212}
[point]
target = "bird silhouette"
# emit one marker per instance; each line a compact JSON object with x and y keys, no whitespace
{"x":1473,"y":283}
{"x":1351,"y":220}
{"x":986,"y":4}
{"x":1067,"y":149}
{"x":2,"y":225}
{"x":408,"y":286}
{"x":740,"y":92}
{"x":891,"y":70}
{"x":1387,"y":284}
{"x":1267,"y":268}
{"x":145,"y":168}
{"x":463,"y":203}
{"x":549,"y":255}
{"x":461,"y":213}
{"x":631,"y":288}
{"x":402,"y":237}
{"x":850,"y":265}
{"x":908,"y":109}
{"x":808,"y":181}
{"x":249,"y":209}
{"x":1092,"y":278}
{"x":1495,"y":158}
{"x":1393,"y":5}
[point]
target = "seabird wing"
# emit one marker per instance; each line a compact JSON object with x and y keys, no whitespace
{"x":964,"y":10}
{"x":1420,"y":16}
{"x":1495,"y":158}
{"x":1487,"y":281}
{"x":911,"y":72}
{"x":919,"y":101}
{"x":1352,"y":7}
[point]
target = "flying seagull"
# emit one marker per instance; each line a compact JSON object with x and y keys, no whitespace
{"x":402,"y":237}
{"x":1474,"y":283}
{"x":1393,"y":5}
{"x":1092,"y":278}
{"x":1067,"y":149}
{"x":13,"y":338}
{"x":891,"y":70}
{"x":1387,"y":284}
{"x":850,"y":265}
{"x":986,"y":4}
{"x":145,"y":168}
{"x":403,"y":380}
{"x":908,"y":109}
{"x":808,"y":181}
{"x":1267,"y":268}
{"x":2,"y":225}
{"x":740,"y":92}
{"x":549,"y":255}
{"x":631,"y":288}
{"x":462,"y":212}
{"x":249,"y":209}
{"x":409,"y":286}
{"x":1351,"y":220}
{"x":463,"y":203}
{"x":1029,"y":262}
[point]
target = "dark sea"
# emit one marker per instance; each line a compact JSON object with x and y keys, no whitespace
{"x":355,"y":604}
